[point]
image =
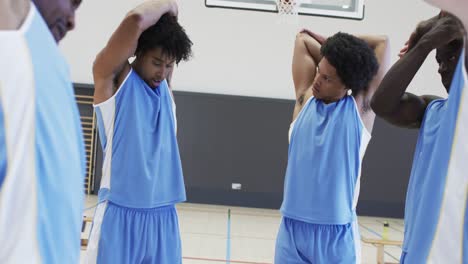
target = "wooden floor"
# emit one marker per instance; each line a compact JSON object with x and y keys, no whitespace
{"x":248,"y":236}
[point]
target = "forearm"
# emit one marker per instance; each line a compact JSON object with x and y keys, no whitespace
{"x":319,"y":38}
{"x":123,"y":42}
{"x":387,"y":98}
{"x":312,"y":47}
{"x":304,"y":63}
{"x":383,"y":56}
{"x":149,"y":12}
{"x":422,"y":28}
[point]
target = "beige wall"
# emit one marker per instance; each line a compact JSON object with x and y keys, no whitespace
{"x":245,"y":52}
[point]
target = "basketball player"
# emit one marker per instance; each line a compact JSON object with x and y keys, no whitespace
{"x":436,"y":118}
{"x":334,"y":81}
{"x":136,"y":220}
{"x":42,"y":159}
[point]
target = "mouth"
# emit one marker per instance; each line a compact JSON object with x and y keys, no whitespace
{"x":59,"y":31}
{"x":315,"y":89}
{"x":155,"y":83}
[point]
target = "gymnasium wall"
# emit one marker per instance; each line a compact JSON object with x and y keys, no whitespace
{"x":242,"y":52}
{"x":226,"y":140}
{"x":235,"y":98}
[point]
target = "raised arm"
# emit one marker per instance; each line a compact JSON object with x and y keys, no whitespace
{"x":390,"y":101}
{"x":381,"y":47}
{"x":459,"y":9}
{"x":111,"y":64}
{"x":304,"y":67}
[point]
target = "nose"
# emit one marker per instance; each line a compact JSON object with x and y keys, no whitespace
{"x":317,"y":78}
{"x":163,"y":73}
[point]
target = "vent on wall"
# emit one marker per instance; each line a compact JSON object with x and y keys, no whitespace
{"x":350,"y":9}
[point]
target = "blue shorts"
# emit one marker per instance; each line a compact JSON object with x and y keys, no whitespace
{"x":305,"y":243}
{"x":132,"y":235}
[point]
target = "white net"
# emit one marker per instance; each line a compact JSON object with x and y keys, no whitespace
{"x":288,"y":11}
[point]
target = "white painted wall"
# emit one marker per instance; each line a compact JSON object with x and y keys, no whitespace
{"x":245,"y":52}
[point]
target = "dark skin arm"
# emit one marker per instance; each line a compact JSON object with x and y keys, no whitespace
{"x":460,"y":9}
{"x":382,"y":52}
{"x":391,"y":101}
{"x":111,"y":64}
{"x":305,"y":60}
{"x":307,"y":56}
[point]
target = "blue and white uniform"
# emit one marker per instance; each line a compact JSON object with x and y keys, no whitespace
{"x":326,"y":148}
{"x":42,"y":159}
{"x":436,"y":201}
{"x":142,"y":180}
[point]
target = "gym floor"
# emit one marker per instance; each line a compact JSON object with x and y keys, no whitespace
{"x":248,"y":236}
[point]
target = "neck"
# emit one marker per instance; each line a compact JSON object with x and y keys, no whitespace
{"x":332,"y":100}
{"x":13,"y":13}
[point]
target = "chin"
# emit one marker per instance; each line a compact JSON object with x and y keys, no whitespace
{"x":319,"y":98}
{"x":150,"y":85}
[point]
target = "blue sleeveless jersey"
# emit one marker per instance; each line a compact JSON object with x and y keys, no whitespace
{"x":436,"y":203}
{"x":137,"y":128}
{"x":42,"y":159}
{"x":327,"y":144}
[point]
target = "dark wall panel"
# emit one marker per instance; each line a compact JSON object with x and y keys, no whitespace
{"x":232,"y":139}
{"x":386,"y":169}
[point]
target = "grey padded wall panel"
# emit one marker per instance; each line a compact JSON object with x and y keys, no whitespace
{"x":386,"y":169}
{"x":233,"y":139}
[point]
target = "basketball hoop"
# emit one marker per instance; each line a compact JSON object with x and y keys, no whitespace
{"x":288,"y":11}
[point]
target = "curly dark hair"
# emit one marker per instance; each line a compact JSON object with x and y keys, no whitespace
{"x":168,"y":35}
{"x":353,"y":58}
